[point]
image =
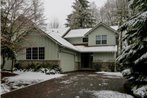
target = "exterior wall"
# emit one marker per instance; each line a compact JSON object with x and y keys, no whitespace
{"x":8,"y":64}
{"x":75,"y":40}
{"x":35,"y":39}
{"x":103,"y":57}
{"x":104,"y":61}
{"x":111,"y":37}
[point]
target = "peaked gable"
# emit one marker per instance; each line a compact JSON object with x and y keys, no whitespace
{"x":101,"y":24}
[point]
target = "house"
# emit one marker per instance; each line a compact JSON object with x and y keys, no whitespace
{"x":77,"y":49}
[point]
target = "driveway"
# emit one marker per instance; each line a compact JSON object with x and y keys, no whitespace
{"x":73,"y":85}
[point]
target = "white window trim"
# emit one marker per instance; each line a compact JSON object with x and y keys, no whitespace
{"x":101,"y":39}
{"x":37,"y":53}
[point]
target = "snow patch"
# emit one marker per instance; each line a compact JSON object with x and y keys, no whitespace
{"x":141,"y":91}
{"x":25,"y":78}
{"x":117,"y":74}
{"x":126,"y":72}
{"x":114,"y":27}
{"x":109,"y":94}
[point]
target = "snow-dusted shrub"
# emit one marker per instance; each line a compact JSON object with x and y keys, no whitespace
{"x":44,"y":68}
{"x":140,"y":91}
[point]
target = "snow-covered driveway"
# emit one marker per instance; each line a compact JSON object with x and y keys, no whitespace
{"x":76,"y":85}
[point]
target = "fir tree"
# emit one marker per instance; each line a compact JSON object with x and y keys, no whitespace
{"x":81,"y":16}
{"x":133,"y":59}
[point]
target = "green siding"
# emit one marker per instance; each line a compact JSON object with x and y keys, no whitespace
{"x":111,"y":38}
{"x":35,"y":39}
{"x":75,"y":40}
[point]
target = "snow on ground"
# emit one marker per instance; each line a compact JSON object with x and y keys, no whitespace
{"x":25,"y":78}
{"x":109,"y":94}
{"x":71,"y":80}
{"x":111,"y":74}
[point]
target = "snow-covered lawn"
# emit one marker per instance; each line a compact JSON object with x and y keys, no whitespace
{"x":109,"y":94}
{"x":24,"y":79}
{"x":111,"y":74}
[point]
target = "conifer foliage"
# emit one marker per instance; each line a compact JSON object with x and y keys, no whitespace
{"x":133,"y":59}
{"x":81,"y":17}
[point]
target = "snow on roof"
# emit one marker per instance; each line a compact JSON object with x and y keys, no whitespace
{"x":67,"y":44}
{"x":61,"y":40}
{"x":114,"y":27}
{"x":97,"y":49}
{"x":77,"y":33}
{"x":59,"y":31}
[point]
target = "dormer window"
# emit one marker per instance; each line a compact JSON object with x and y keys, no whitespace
{"x":101,"y":39}
{"x":85,"y":39}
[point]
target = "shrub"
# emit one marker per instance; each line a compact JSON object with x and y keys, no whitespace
{"x":36,"y":67}
{"x":18,"y":66}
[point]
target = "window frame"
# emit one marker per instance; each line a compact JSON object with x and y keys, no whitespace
{"x":40,"y":54}
{"x":101,"y":39}
{"x":85,"y":40}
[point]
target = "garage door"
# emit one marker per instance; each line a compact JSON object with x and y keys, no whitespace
{"x":67,"y":62}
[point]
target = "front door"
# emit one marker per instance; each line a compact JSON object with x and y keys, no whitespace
{"x":86,"y":60}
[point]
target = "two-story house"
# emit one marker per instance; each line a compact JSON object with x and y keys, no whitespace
{"x":76,"y":49}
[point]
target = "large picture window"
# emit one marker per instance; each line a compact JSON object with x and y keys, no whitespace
{"x":101,"y":39}
{"x":35,"y":53}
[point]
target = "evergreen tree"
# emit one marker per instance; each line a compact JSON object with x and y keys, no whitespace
{"x":81,"y":16}
{"x":133,"y":59}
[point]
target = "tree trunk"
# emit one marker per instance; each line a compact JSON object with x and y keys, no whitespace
{"x":12,"y":66}
{"x":3,"y":63}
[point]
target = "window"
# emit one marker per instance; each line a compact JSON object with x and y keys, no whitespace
{"x":28,"y":53}
{"x":101,"y":39}
{"x":41,"y":53}
{"x":104,"y":39}
{"x":35,"y":53}
{"x":85,"y":39}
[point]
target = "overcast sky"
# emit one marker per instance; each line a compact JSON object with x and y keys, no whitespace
{"x":59,"y":9}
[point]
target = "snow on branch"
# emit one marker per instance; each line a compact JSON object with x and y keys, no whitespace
{"x":142,"y":58}
{"x":133,"y":23}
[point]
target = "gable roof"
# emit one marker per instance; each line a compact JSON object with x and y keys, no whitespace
{"x":77,"y":33}
{"x":114,"y":27}
{"x":62,"y":41}
{"x":59,"y":31}
{"x":101,"y":24}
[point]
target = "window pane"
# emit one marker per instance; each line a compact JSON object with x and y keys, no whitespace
{"x":28,"y":53}
{"x":98,"y":37}
{"x":41,"y":53}
{"x":104,"y":37}
{"x":34,"y":53}
{"x":104,"y":41}
{"x":85,"y":39}
{"x":98,"y":42}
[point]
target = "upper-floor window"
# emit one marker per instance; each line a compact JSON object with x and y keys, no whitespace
{"x":85,"y":39}
{"x":35,"y":53}
{"x":101,"y":39}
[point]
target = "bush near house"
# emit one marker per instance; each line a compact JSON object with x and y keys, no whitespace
{"x":36,"y":67}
